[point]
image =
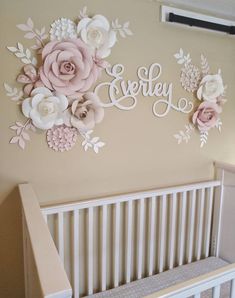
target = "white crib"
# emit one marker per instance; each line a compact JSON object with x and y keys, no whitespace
{"x":128,"y":243}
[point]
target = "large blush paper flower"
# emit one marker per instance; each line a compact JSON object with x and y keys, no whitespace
{"x":30,"y":78}
{"x":206,"y":115}
{"x":68,"y":67}
{"x":96,"y":33}
{"x":45,"y":108}
{"x":210,"y":88}
{"x":85,"y":112}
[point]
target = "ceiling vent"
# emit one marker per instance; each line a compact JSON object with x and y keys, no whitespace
{"x":192,"y":19}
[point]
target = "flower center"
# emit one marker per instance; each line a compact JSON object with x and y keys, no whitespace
{"x":46,"y":108}
{"x":95,"y":36}
{"x":67,"y":67}
{"x":81,"y":113}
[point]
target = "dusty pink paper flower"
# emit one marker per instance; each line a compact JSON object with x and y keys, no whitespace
{"x":206,"y":115}
{"x":68,"y":67}
{"x":30,"y":78}
{"x":61,"y":138}
{"x":84,"y":112}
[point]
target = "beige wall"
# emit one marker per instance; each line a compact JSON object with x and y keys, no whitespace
{"x":141,"y":152}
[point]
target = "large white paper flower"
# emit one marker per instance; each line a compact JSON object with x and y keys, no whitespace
{"x":96,"y":33}
{"x":45,"y":108}
{"x":63,"y":29}
{"x":210,"y":88}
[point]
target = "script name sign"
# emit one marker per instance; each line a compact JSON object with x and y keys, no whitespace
{"x":123,"y":94}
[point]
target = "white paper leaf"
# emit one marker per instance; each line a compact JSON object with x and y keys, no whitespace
{"x":96,"y":149}
{"x":34,"y":61}
{"x":20,"y":47}
{"x":12,"y":49}
{"x":30,"y":23}
{"x":181,"y":61}
{"x":21,"y":143}
{"x":14,"y":140}
{"x":7,"y":87}
{"x":23,"y":27}
{"x":177,"y":56}
{"x":20,"y":55}
{"x":94,"y":140}
{"x":14,"y":127}
{"x":19,"y":124}
{"x":25,"y":136}
{"x":100,"y":144}
{"x":30,"y":35}
{"x":26,"y":61}
{"x":128,"y":31}
{"x":28,"y":53}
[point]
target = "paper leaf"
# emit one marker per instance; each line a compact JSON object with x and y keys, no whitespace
{"x":25,"y":136}
{"x":12,"y":49}
{"x":23,"y":27}
{"x":30,"y":23}
{"x":7,"y":87}
{"x":30,"y":35}
{"x":21,"y":143}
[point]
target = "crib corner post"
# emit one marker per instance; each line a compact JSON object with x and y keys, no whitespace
{"x":217,"y":212}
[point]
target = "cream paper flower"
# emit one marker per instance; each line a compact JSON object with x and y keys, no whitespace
{"x":84,"y":112}
{"x":96,"y":33}
{"x":211,"y":88}
{"x":45,"y":108}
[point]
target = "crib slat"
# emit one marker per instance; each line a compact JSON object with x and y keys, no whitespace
{"x":208,"y":226}
{"x":151,"y":234}
{"x":116,"y":244}
{"x":182,"y":228}
{"x":172,"y":231}
{"x":104,"y":248}
{"x":216,"y":292}
{"x":128,"y":240}
{"x":140,"y":237}
{"x":232,"y":289}
{"x":76,"y":253}
{"x":200,"y":223}
{"x":197,"y":295}
{"x":90,"y":249}
{"x":61,"y":235}
{"x":191,"y":225}
{"x":162,"y":233}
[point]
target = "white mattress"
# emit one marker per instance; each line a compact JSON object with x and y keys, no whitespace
{"x":149,"y":285}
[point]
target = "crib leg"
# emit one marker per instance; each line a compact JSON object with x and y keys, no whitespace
{"x":232,"y":289}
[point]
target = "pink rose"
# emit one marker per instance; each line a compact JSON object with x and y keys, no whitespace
{"x":30,"y":78}
{"x":206,"y":115}
{"x":68,"y":67}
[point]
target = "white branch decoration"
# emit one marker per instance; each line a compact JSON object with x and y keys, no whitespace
{"x":203,"y":138}
{"x":13,"y":93}
{"x":123,"y":30}
{"x":24,"y":55}
{"x":182,"y":58}
{"x":83,"y":13}
{"x":38,"y":35}
{"x":89,"y":142}
{"x":21,"y":134}
{"x":205,"y":66}
{"x":184,"y":135}
{"x":219,"y":125}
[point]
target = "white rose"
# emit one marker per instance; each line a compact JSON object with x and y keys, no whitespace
{"x":96,"y":33}
{"x":45,"y":108}
{"x":210,"y":88}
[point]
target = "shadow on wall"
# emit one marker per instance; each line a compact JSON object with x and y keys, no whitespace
{"x":11,"y":247}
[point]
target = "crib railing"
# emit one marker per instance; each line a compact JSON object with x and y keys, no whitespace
{"x":41,"y":260}
{"x":118,"y":239}
{"x":196,"y":286}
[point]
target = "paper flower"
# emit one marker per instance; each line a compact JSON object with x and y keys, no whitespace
{"x":211,"y":87}
{"x":85,"y":112}
{"x":68,"y":67}
{"x":62,"y":138}
{"x":30,"y":78}
{"x":96,"y":33}
{"x":45,"y":108}
{"x":206,"y":116}
{"x":63,"y":29}
{"x":190,"y":77}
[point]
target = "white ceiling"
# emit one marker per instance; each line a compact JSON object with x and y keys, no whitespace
{"x":218,"y":7}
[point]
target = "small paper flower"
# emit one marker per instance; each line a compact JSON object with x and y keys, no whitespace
{"x":63,"y":29}
{"x":68,"y":67}
{"x":85,"y":112}
{"x":211,"y":87}
{"x":96,"y":33}
{"x":45,"y":108}
{"x":190,"y":77}
{"x":61,"y":138}
{"x":30,"y":78}
{"x":206,"y":116}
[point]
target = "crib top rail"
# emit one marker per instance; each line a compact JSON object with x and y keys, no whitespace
{"x":195,"y":286}
{"x":96,"y":202}
{"x":40,"y":254}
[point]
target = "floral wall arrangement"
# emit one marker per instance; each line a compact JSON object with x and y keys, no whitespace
{"x":209,"y":89}
{"x":58,"y":79}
